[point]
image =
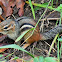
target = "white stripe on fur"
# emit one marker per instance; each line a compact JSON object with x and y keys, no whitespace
{"x":26,"y":26}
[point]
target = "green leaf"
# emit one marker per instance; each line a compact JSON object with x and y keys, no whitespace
{"x":44,"y":5}
{"x":23,"y":34}
{"x":32,"y":8}
{"x":36,"y":59}
{"x":61,"y":46}
{"x":16,"y":47}
{"x":59,"y":8}
{"x":16,"y":57}
{"x":50,"y":59}
{"x":41,"y":59}
{"x":37,"y":8}
{"x":59,"y":39}
{"x":1,"y":58}
{"x":1,"y":55}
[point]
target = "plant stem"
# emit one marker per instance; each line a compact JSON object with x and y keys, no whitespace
{"x":58,"y":56}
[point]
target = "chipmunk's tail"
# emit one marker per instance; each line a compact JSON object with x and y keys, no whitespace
{"x":51,"y":34}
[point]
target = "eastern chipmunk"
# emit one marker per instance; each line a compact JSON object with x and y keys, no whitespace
{"x":13,"y":29}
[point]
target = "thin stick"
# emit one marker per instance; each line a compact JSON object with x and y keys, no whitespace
{"x":52,"y":44}
{"x":1,"y":18}
{"x":13,"y":16}
{"x":49,"y":46}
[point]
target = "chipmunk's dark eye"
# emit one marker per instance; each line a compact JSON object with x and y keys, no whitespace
{"x":5,"y":27}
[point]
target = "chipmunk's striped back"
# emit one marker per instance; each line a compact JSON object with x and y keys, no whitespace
{"x":27,"y":23}
{"x":26,"y":26}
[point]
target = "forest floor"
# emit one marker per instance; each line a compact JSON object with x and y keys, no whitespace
{"x":42,"y":47}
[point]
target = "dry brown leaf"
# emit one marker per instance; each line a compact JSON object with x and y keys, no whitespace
{"x":3,"y":49}
{"x":8,"y":5}
{"x":20,"y":4}
{"x":16,"y":60}
{"x":1,"y":18}
{"x":3,"y":7}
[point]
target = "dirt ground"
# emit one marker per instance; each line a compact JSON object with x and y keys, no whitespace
{"x":41,"y":47}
